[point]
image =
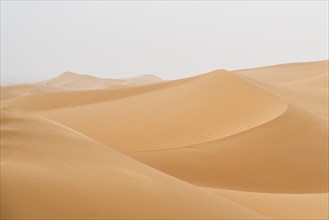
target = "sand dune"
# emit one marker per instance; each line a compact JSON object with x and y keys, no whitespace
{"x":54,"y":172}
{"x":222,"y":105}
{"x":245,"y":144}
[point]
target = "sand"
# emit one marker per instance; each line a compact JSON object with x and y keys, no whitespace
{"x":243,"y":144}
{"x":51,"y":171}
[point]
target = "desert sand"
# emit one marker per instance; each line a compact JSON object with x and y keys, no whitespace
{"x":241,"y":144}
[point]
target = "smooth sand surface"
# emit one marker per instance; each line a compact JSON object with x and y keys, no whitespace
{"x":242,"y":144}
{"x":51,"y":171}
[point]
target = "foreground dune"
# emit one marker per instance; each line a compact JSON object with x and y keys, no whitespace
{"x":245,"y":144}
{"x":54,"y":172}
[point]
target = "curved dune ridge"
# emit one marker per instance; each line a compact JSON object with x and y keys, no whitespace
{"x":243,"y":144}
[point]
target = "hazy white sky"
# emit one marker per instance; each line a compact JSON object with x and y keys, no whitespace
{"x":173,"y":39}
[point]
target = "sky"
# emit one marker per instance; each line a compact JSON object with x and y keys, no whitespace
{"x":170,"y":39}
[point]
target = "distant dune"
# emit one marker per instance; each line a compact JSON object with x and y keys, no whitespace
{"x":73,"y":81}
{"x":245,"y":144}
{"x":69,"y":81}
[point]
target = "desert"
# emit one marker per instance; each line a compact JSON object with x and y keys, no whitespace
{"x":226,"y":144}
